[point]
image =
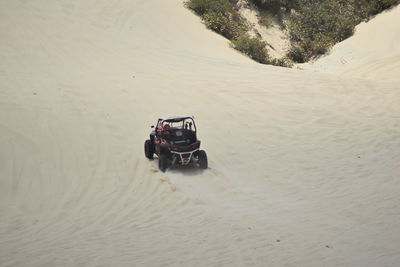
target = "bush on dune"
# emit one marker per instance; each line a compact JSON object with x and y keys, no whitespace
{"x":364,"y":9}
{"x":253,"y":47}
{"x":317,"y":25}
{"x":276,"y":5}
{"x":202,"y":7}
{"x":314,"y":26}
{"x":220,"y":16}
{"x":230,"y":25}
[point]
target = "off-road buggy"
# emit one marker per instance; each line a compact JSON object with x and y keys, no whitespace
{"x":174,"y":141}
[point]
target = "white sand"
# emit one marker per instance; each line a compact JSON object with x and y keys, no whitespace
{"x":309,"y":159}
{"x":373,"y":52}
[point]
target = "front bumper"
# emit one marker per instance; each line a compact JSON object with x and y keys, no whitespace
{"x":183,"y":158}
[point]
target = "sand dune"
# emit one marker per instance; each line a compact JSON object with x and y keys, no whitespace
{"x":304,"y":167}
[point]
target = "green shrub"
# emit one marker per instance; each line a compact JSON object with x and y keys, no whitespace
{"x":317,"y":25}
{"x":228,"y":24}
{"x":282,"y":62}
{"x":364,"y":9}
{"x":202,"y":7}
{"x":314,"y":25}
{"x":389,"y":3}
{"x":253,"y":47}
{"x":306,"y":49}
{"x":220,"y":16}
{"x":276,"y":5}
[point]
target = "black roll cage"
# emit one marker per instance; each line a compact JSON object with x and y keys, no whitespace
{"x":185,"y":121}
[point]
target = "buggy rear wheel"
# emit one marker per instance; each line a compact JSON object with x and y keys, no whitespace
{"x":163,"y":163}
{"x":148,"y":149}
{"x":203,"y":162}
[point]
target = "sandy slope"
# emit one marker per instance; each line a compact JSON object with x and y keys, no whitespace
{"x":373,"y":52}
{"x":304,"y":167}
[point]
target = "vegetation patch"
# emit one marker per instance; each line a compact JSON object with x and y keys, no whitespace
{"x":276,"y":6}
{"x":253,"y":47}
{"x":314,"y":26}
{"x":222,"y":17}
{"x":319,"y":24}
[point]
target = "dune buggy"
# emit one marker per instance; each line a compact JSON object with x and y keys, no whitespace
{"x":174,"y":141}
